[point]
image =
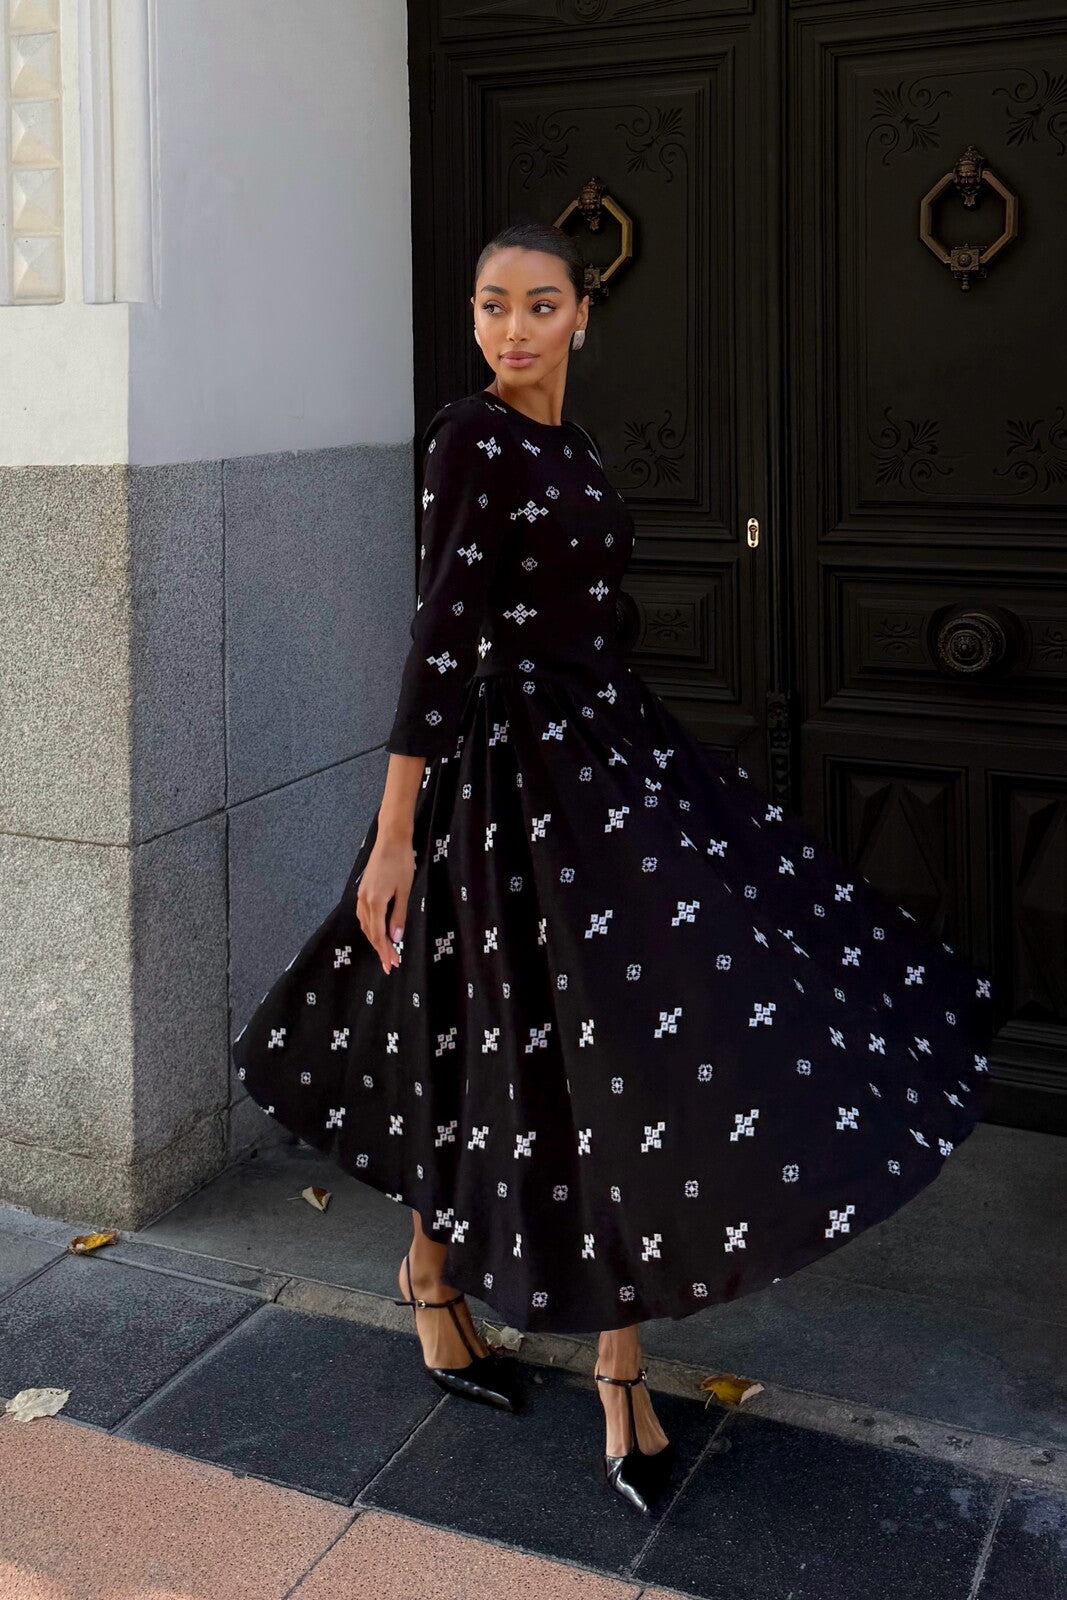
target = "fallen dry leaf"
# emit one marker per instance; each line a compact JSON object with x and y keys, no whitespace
{"x":730,"y":1389}
{"x":30,"y":1403}
{"x":319,"y":1198}
{"x":501,"y":1338}
{"x":84,"y":1242}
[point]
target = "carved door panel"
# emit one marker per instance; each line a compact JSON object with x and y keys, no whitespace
{"x":931,"y":486}
{"x":890,"y":656}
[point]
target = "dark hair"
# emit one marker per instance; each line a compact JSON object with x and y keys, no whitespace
{"x":532,"y":235}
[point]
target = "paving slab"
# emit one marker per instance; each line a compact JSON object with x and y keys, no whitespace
{"x":1029,"y":1554}
{"x":791,"y":1513}
{"x":911,"y":1318}
{"x":1000,"y":1373}
{"x":391,"y":1558}
{"x":434,"y":1498}
{"x":88,"y":1516}
{"x":16,"y":1219}
{"x":990,"y":1231}
{"x":252,"y":1213}
{"x":534,"y":1480}
{"x":311,"y":1402}
{"x":943,"y":1342}
{"x":108,"y":1333}
{"x":21,"y":1255}
{"x":158,"y":1258}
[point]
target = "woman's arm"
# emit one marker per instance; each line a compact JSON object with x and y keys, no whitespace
{"x":396,"y":814}
{"x":466,"y":478}
{"x":464,"y":514}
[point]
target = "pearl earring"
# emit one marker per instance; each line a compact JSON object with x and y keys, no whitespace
{"x":477,"y":340}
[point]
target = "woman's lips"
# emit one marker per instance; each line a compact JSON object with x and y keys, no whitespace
{"x":518,"y":361}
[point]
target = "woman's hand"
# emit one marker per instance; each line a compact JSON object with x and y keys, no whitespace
{"x":387,"y":877}
{"x":390,"y":868}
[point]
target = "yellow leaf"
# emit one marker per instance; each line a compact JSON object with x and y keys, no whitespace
{"x":319,"y":1198}
{"x":730,"y":1389}
{"x":91,"y":1241}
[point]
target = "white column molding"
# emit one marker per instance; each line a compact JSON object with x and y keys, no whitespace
{"x":119,"y":166}
{"x":31,"y":154}
{"x":97,"y":163}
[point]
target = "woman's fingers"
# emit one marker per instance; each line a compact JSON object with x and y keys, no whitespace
{"x":399,"y":916}
{"x":372,"y":920}
{"x":380,"y":929}
{"x":386,"y":881}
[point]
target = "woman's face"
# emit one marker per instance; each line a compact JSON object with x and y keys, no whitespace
{"x":525,"y":312}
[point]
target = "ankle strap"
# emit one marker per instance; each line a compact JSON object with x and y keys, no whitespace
{"x":450,"y":1304}
{"x":626,"y":1382}
{"x":435,"y":1303}
{"x":412,"y":1301}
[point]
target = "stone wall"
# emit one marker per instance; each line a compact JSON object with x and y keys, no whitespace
{"x":199,"y":665}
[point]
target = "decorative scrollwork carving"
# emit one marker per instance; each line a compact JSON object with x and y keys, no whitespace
{"x":540,"y":148}
{"x":1036,"y":108}
{"x":904,"y":118}
{"x":666,"y":624}
{"x":1052,"y":644}
{"x":654,"y":453}
{"x":648,"y":136}
{"x":1036,"y":453}
{"x":894,"y":635}
{"x":904,"y":452}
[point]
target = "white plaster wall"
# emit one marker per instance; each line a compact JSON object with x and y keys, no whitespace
{"x":63,"y":385}
{"x":284,"y":315}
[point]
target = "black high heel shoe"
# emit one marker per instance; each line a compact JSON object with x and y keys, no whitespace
{"x":484,"y":1377}
{"x":637,"y":1476}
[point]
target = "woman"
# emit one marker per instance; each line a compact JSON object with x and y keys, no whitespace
{"x":626,"y":1037}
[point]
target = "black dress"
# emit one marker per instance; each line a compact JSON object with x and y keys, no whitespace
{"x":651,"y":1045}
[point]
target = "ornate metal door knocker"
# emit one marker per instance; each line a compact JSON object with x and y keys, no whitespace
{"x":592,"y":202}
{"x":967,"y":261}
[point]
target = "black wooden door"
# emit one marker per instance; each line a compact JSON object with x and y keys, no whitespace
{"x":931,"y":485}
{"x":847,"y":471}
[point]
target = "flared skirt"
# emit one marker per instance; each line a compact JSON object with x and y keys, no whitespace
{"x":651,"y":1044}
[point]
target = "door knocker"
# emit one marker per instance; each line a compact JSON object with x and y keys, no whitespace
{"x":592,"y":202}
{"x":967,"y":261}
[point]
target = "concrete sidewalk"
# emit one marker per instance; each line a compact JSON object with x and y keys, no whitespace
{"x":253,"y":1419}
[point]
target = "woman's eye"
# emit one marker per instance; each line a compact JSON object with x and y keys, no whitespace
{"x":493,"y":305}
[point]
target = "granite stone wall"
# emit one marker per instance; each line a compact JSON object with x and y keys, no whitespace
{"x":198,"y":667}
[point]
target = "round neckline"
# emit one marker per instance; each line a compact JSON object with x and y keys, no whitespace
{"x":553,"y":427}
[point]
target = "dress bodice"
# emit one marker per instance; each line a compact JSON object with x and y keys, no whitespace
{"x":524,"y":544}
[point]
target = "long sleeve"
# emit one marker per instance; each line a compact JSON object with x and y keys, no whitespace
{"x":466,"y":469}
